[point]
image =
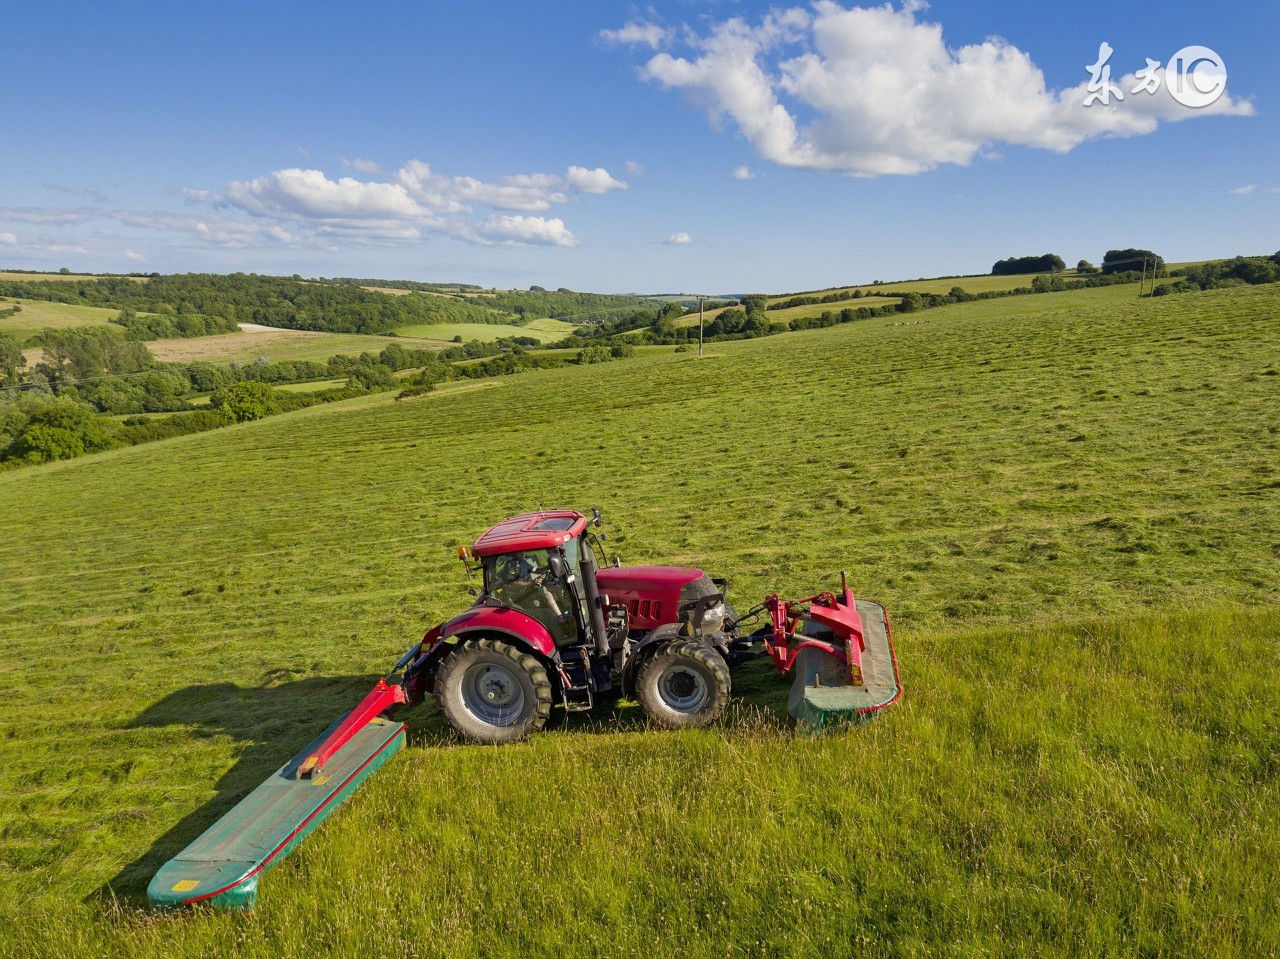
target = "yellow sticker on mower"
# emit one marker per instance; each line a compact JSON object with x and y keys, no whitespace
{"x":186,"y":885}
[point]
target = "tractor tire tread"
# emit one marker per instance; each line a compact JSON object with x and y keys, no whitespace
{"x":524,"y":662}
{"x":717,"y":671}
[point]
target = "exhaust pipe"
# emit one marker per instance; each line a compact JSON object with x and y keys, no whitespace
{"x":594,"y":607}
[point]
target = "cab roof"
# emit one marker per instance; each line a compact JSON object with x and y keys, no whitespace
{"x":541,"y":530}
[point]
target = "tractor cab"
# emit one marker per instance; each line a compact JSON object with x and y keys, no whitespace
{"x":533,"y":564}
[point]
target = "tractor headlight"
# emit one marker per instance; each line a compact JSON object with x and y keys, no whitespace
{"x":713,"y":617}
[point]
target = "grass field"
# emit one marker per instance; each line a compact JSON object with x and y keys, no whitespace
{"x":970,"y":284}
{"x":313,"y":387}
{"x":275,"y":345}
{"x":1070,"y":503}
{"x":36,"y":277}
{"x":543,"y":330}
{"x":37,"y":315}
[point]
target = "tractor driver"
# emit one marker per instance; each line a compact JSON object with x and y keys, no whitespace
{"x":525,"y":581}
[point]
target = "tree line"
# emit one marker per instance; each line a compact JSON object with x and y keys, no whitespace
{"x":225,"y":300}
{"x":1223,"y":274}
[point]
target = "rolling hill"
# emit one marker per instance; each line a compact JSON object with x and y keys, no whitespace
{"x":1069,"y":503}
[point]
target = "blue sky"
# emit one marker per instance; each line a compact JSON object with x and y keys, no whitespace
{"x":681,"y":146}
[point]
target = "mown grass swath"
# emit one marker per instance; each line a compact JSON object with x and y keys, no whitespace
{"x":1069,"y":502}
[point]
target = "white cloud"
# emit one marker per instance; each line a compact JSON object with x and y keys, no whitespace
{"x":678,"y":239}
{"x":359,"y":165}
{"x":133,"y":257}
{"x":637,"y":33}
{"x":47,"y":215}
{"x":634,"y":169}
{"x":507,"y":230}
{"x":416,"y":199}
{"x":592,"y":181}
{"x":1244,"y":190}
{"x":870,"y":91}
{"x":306,"y":208}
{"x":309,"y":193}
{"x":8,"y":238}
{"x":743,"y":173}
{"x":530,"y":192}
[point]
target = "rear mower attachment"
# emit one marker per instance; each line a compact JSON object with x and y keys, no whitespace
{"x":842,"y":652}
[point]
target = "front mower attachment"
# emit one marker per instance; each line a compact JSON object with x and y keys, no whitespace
{"x":842,"y":652}
{"x":824,"y":692}
{"x":222,"y":867}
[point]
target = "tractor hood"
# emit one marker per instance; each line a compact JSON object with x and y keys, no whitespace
{"x":652,"y":595}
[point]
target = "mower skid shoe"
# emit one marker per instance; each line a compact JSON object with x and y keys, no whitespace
{"x":822,"y":694}
{"x":223,"y":866}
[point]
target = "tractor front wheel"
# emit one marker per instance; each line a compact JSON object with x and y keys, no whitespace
{"x":684,"y":684}
{"x":492,"y":692}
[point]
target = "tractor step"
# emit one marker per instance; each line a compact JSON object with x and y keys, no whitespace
{"x":822,"y":693}
{"x":223,"y":866}
{"x":575,"y":685}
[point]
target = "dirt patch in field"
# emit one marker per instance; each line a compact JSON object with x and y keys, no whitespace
{"x":251,"y":336}
{"x":33,"y":357}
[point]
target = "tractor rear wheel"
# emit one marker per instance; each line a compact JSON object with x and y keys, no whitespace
{"x":684,"y":684}
{"x":492,"y":692}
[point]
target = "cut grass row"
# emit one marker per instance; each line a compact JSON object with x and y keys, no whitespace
{"x":1068,"y":501}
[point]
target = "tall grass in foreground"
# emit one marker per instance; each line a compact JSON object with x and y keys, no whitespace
{"x":1069,"y":502}
{"x":1097,"y":787}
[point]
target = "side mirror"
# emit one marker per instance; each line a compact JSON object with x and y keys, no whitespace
{"x":558,"y":566}
{"x":464,"y":554}
{"x":595,"y":516}
{"x":617,"y":561}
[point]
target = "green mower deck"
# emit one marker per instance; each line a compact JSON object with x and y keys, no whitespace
{"x":822,"y":694}
{"x":222,"y":867}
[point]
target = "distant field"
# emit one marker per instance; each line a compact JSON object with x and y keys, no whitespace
{"x":970,"y":284}
{"x":542,"y":330}
{"x":314,"y":387}
{"x":560,"y":328}
{"x":397,"y":291}
{"x":36,"y":277}
{"x":38,"y":315}
{"x":246,"y":347}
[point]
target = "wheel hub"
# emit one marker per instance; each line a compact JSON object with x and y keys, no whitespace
{"x":682,"y":688}
{"x":492,"y":694}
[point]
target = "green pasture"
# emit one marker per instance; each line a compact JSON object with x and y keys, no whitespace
{"x":37,"y":315}
{"x":543,"y":330}
{"x":314,"y":386}
{"x":245,"y":347}
{"x":970,"y":284}
{"x":1069,"y":502}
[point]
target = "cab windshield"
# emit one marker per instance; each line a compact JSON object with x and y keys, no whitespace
{"x":525,"y":581}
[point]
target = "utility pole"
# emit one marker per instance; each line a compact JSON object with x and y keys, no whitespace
{"x":701,"y":299}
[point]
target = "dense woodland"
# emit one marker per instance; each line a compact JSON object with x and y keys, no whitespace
{"x":267,"y":300}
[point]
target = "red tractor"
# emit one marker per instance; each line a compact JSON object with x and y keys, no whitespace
{"x":550,"y":627}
